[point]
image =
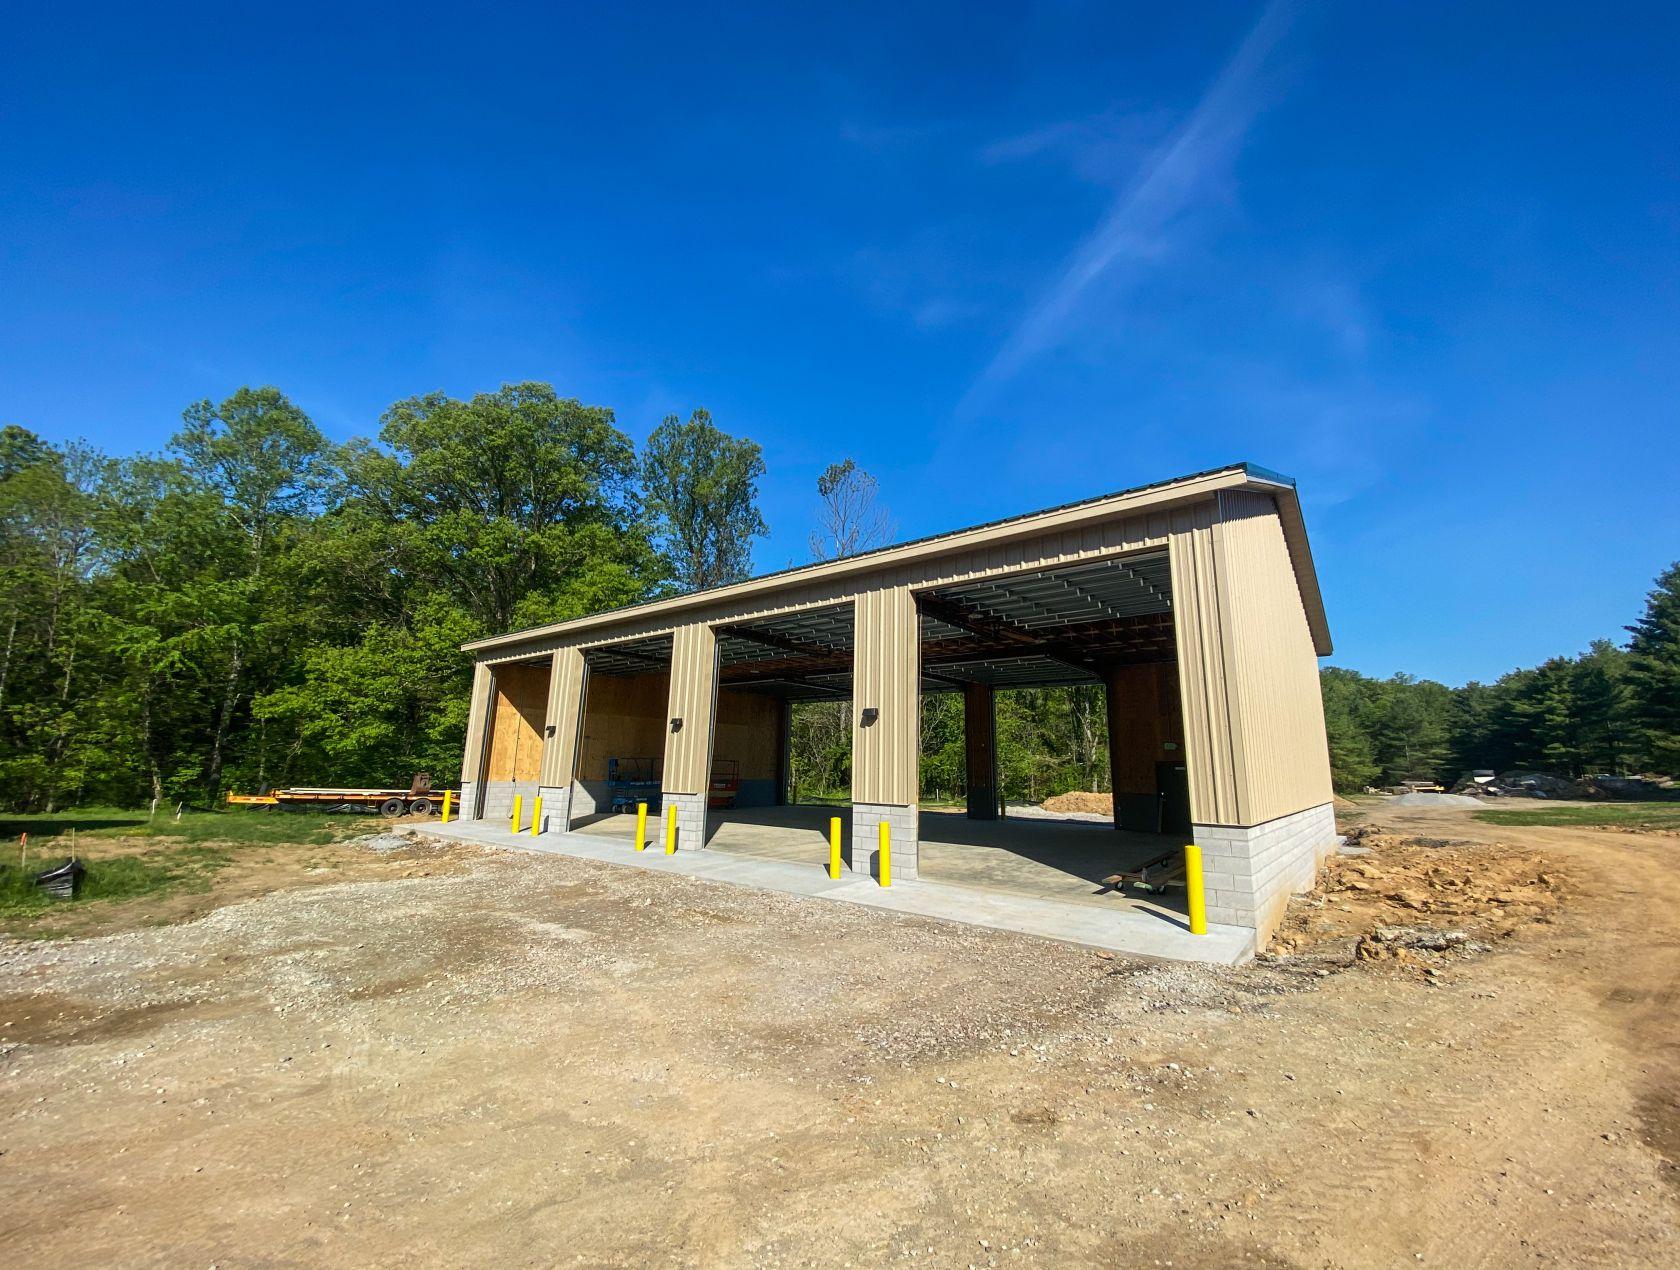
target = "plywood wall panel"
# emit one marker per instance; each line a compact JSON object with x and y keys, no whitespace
{"x":749,"y":733}
{"x":516,"y":736}
{"x":623,"y":717}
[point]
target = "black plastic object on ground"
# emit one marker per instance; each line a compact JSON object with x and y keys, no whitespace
{"x":62,"y":883}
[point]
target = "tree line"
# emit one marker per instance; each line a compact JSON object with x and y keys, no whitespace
{"x":1611,"y":710}
{"x":258,"y":605}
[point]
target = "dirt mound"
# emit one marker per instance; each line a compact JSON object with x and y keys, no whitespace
{"x":1081,"y":801}
{"x":1418,"y":902}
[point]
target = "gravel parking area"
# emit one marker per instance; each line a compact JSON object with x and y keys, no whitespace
{"x":535,"y":1060}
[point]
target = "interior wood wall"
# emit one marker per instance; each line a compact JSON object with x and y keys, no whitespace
{"x":516,"y":737}
{"x":623,"y":717}
{"x":1147,"y":709}
{"x":749,"y":732}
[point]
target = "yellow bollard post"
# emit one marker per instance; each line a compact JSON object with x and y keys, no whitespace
{"x":513,"y":825}
{"x":671,"y":830}
{"x":447,"y":794}
{"x":885,"y":835}
{"x":536,"y":816}
{"x":641,"y":826}
{"x":1193,"y":884}
{"x":834,"y":848}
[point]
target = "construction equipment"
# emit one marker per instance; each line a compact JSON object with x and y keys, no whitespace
{"x":417,"y":800}
{"x":631,"y":782}
{"x":725,"y":783}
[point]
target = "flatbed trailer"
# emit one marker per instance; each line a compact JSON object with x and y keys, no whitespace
{"x":419,"y":799}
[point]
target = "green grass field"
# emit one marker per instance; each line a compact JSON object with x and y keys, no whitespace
{"x":234,"y":825}
{"x":181,"y":854}
{"x":1600,"y":815}
{"x":109,"y":878}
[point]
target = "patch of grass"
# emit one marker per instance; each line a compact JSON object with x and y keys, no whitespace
{"x":115,"y":877}
{"x":1601,"y":815}
{"x":257,"y":828}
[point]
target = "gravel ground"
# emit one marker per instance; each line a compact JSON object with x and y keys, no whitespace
{"x":532,"y":1060}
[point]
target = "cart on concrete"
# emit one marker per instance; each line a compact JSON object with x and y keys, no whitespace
{"x":419,"y":799}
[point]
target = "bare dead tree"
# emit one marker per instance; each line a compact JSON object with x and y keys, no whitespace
{"x":851,"y":518}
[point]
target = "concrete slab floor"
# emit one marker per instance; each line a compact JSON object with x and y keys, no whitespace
{"x":1122,"y":927}
{"x":1063,"y":860}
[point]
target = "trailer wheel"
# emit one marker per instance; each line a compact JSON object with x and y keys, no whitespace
{"x":420,"y":807}
{"x":391,"y":808}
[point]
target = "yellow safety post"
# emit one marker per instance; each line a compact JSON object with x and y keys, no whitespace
{"x":834,"y":848}
{"x":536,"y":816}
{"x":447,"y":794}
{"x":671,"y":830}
{"x":641,"y":826}
{"x":513,"y":825}
{"x":1193,"y":884}
{"x":885,"y":835}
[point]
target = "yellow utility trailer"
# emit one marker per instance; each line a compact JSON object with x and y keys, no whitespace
{"x":419,"y":799}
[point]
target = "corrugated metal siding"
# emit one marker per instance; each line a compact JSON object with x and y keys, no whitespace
{"x":1271,"y":668}
{"x":478,"y":713}
{"x":566,"y":682}
{"x":694,"y":668}
{"x":1075,"y":545}
{"x":886,"y":674}
{"x":1010,"y":540}
{"x":1201,"y":671}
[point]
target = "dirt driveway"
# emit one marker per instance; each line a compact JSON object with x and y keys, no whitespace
{"x":525,"y":1060}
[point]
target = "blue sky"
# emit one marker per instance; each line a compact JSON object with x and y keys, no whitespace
{"x":1422,"y":257}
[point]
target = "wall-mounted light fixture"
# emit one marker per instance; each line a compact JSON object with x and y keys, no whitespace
{"x":870,"y":714}
{"x":676,"y":725}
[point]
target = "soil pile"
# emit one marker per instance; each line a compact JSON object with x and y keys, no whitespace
{"x":1080,"y":800}
{"x":1417,"y":901}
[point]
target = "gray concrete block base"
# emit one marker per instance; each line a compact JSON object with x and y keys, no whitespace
{"x":904,"y":828}
{"x":691,"y":821}
{"x":556,"y":808}
{"x":1251,"y":871}
{"x":498,"y":801}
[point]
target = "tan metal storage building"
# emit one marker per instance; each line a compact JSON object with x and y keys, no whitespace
{"x":1193,"y":601}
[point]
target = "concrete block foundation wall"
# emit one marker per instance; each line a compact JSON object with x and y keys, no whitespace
{"x":691,"y":821}
{"x":498,"y":800}
{"x":466,"y":808}
{"x":588,"y":798}
{"x":866,"y":829}
{"x":556,"y":808}
{"x":1250,"y":873}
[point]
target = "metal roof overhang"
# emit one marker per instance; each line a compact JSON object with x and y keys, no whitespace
{"x":1126,"y":502}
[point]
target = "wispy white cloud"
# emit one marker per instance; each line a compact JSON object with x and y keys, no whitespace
{"x":1138,"y":228}
{"x":1104,"y":149}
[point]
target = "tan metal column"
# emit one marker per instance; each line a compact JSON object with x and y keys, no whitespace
{"x":567,"y":684}
{"x":886,"y":727}
{"x":478,"y":726}
{"x":688,"y":730}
